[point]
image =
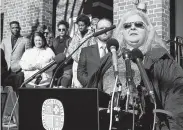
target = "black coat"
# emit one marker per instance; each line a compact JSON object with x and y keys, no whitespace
{"x":166,"y":77}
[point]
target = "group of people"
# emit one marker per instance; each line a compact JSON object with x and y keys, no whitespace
{"x":91,"y":65}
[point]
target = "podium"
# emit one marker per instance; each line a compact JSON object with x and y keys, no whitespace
{"x":79,"y":109}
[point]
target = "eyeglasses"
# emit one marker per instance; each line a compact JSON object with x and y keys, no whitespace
{"x":137,"y":24}
{"x":63,"y":29}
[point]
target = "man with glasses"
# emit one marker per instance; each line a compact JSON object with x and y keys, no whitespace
{"x":91,"y":57}
{"x":60,"y":45}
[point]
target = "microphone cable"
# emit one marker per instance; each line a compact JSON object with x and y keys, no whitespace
{"x":133,"y":126}
{"x":112,"y":100}
{"x":154,"y":120}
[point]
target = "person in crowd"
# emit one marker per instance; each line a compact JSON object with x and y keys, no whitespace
{"x":14,"y":46}
{"x":60,"y":45}
{"x":166,"y":76}
{"x":83,"y":32}
{"x":94,"y":22}
{"x":35,"y":59}
{"x":46,"y":31}
{"x":41,"y":28}
{"x":91,"y":56}
{"x":49,"y":39}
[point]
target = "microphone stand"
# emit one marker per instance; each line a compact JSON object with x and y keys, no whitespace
{"x":38,"y":73}
{"x":67,"y":60}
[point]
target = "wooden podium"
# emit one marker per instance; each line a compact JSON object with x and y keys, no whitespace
{"x":80,"y":108}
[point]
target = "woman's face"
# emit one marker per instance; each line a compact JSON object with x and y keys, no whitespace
{"x":82,"y":26}
{"x":62,"y":30}
{"x":38,"y":41}
{"x":134,"y":31}
{"x":50,"y":39}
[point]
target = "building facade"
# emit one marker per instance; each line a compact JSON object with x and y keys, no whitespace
{"x":49,"y":12}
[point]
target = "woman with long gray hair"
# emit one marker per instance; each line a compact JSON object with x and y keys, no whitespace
{"x":135,"y":31}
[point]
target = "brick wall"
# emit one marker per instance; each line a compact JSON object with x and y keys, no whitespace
{"x":47,"y":10}
{"x":26,"y":12}
{"x":157,"y":10}
{"x":64,"y":9}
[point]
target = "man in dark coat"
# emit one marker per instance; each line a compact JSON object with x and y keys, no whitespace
{"x":91,"y":56}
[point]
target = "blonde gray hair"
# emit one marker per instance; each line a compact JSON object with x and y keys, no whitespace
{"x":152,"y":39}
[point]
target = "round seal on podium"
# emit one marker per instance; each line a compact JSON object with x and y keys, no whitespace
{"x":52,"y":114}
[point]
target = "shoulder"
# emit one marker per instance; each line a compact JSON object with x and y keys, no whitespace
{"x":30,"y":51}
{"x":24,"y":39}
{"x":48,"y":49}
{"x":158,"y":52}
{"x":68,"y":38}
{"x":157,"y":55}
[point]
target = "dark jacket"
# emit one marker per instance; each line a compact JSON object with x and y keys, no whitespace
{"x":166,"y":77}
{"x":89,"y":62}
{"x":61,"y":46}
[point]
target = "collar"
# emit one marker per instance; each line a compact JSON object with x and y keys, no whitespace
{"x":100,"y":44}
{"x":15,"y":37}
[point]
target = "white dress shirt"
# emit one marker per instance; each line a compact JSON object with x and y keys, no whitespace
{"x":101,"y":45}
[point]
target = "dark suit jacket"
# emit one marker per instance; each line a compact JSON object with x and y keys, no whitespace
{"x":89,"y":63}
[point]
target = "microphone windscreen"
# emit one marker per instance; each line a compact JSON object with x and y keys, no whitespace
{"x":112,"y":42}
{"x":59,"y":58}
{"x":126,"y":53}
{"x":136,"y":53}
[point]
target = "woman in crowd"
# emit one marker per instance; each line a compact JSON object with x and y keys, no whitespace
{"x":35,"y":59}
{"x":166,"y":76}
{"x":49,"y":39}
{"x":60,"y":45}
{"x":83,"y":23}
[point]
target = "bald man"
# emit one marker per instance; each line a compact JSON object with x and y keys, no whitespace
{"x":91,"y":56}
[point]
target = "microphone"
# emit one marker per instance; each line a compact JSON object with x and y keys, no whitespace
{"x":112,"y":46}
{"x":129,"y":78}
{"x":104,"y":31}
{"x":127,"y":57}
{"x":137,"y":58}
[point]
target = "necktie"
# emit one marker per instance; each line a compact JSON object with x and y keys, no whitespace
{"x":102,"y":51}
